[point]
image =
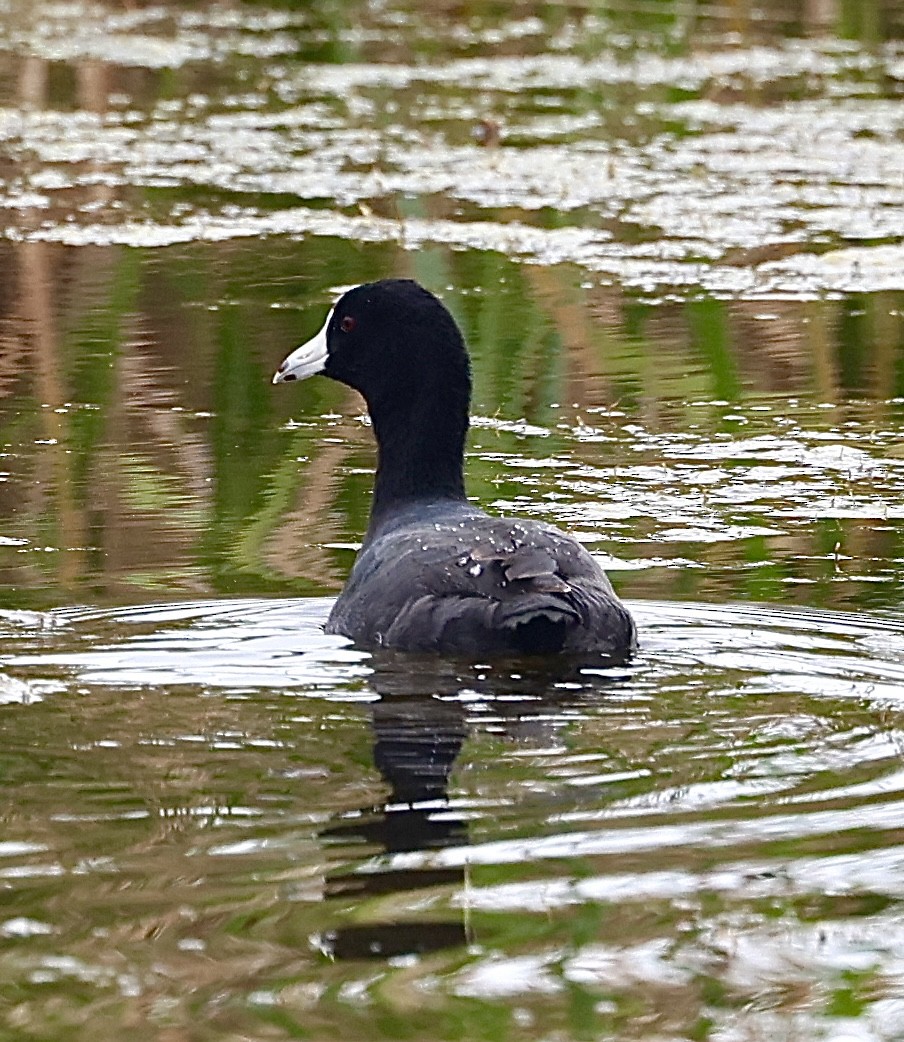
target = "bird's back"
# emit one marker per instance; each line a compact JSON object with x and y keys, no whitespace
{"x":449,"y":578}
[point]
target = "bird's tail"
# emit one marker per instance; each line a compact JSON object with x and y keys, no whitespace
{"x":538,"y":624}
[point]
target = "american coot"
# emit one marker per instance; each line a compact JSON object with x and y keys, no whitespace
{"x":435,"y":573}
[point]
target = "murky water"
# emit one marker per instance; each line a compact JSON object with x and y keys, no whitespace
{"x":672,"y":233}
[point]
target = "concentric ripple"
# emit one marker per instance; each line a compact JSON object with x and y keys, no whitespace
{"x":674,"y":839}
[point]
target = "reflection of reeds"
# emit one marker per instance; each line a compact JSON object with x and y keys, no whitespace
{"x":168,"y":501}
{"x":554,"y":291}
{"x":289,"y":537}
{"x":53,"y":488}
{"x":164,"y":500}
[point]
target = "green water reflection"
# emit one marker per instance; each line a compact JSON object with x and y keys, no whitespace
{"x":682,"y":235}
{"x":671,"y":232}
{"x":146,"y":453}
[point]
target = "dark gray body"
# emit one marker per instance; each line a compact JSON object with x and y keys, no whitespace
{"x":447,"y":577}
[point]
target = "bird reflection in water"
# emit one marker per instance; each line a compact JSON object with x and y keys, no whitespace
{"x":420,"y":725}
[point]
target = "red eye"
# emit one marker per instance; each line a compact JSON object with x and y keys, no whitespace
{"x":347,"y":324}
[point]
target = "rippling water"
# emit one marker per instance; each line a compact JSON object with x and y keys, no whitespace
{"x":232,"y":818}
{"x":671,"y":233}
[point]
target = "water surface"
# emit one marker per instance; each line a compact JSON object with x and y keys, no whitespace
{"x":671,"y":233}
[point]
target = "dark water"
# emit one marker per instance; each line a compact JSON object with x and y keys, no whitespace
{"x":672,"y":234}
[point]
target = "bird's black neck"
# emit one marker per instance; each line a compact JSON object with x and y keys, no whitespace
{"x":420,"y":453}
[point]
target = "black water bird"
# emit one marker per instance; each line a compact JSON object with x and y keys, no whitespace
{"x":435,"y":573}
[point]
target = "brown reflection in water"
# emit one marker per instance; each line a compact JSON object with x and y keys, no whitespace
{"x":99,"y":533}
{"x":32,"y":83}
{"x":561,"y":301}
{"x":296,"y":546}
{"x":127,"y":498}
{"x":819,"y":16}
{"x":53,"y":475}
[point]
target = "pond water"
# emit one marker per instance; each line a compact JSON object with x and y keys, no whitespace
{"x":672,"y":235}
